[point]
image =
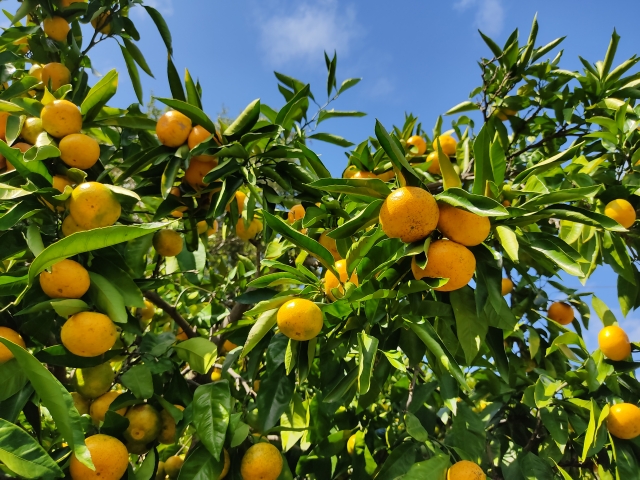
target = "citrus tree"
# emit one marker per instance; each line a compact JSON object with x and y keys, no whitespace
{"x":192,"y":298}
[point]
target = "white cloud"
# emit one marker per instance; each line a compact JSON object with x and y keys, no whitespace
{"x":489,"y":14}
{"x":312,"y":27}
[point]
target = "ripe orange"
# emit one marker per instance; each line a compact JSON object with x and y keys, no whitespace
{"x":300,"y":319}
{"x":198,"y":135}
{"x":55,"y":75}
{"x":261,"y":462}
{"x":624,"y":421}
{"x":465,"y":470}
{"x":147,"y":312}
{"x":56,"y":28}
{"x":69,"y":226}
{"x":227,"y":346}
{"x":240,"y":199}
{"x":168,"y":243}
{"x":296,"y":213}
{"x":409,"y":213}
{"x":561,"y":312}
{"x":350,"y":171}
{"x":250,"y":233}
{"x":100,"y":405}
{"x":110,"y":459}
{"x":361,"y":174}
{"x":331,"y":281}
{"x":61,"y":118}
{"x":330,"y":244}
{"x":31,"y":129}
{"x":417,"y":144}
{"x":621,"y":211}
{"x":103,"y":22}
{"x":3,"y":125}
{"x":68,"y":279}
{"x":12,"y":336}
{"x":614,"y":343}
{"x":88,"y":334}
{"x":93,"y":205}
{"x":196,"y":171}
{"x":173,"y":129}
{"x":463,"y":227}
{"x":434,"y":167}
{"x":79,"y":151}
{"x":450,"y":260}
{"x":387,"y":176}
{"x":507,"y":286}
{"x":36,"y":72}
{"x":144,"y":424}
{"x":448,"y":145}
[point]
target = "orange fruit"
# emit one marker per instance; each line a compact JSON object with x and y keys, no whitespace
{"x":69,"y":226}
{"x":296,"y":213}
{"x":448,"y":145}
{"x":361,"y":174}
{"x":3,"y":125}
{"x":261,"y":462}
{"x":168,"y":243}
{"x":561,"y":312}
{"x":250,"y":233}
{"x":463,"y":227}
{"x":68,"y":279}
{"x":465,"y":470}
{"x":93,"y":205}
{"x":331,"y":281}
{"x":144,"y":424}
{"x":621,"y":211}
{"x":196,"y":171}
{"x":173,"y":129}
{"x":240,"y":199}
{"x":175,"y":191}
{"x":417,"y":145}
{"x":434,"y":167}
{"x":507,"y":286}
{"x":330,"y":244}
{"x":88,"y":334}
{"x":147,"y":312}
{"x":624,"y":421}
{"x":168,"y":427}
{"x":198,"y":135}
{"x":300,"y":319}
{"x":614,"y":343}
{"x":351,"y":444}
{"x":109,"y":456}
{"x":12,"y":336}
{"x":409,"y":213}
{"x":56,"y":28}
{"x":387,"y":176}
{"x":227,"y":346}
{"x":450,"y":260}
{"x":172,"y":466}
{"x":79,"y":151}
{"x":36,"y":72}
{"x":102,"y":22}
{"x":350,"y":171}
{"x":100,"y":406}
{"x":61,"y":118}
{"x":31,"y":129}
{"x":55,"y":75}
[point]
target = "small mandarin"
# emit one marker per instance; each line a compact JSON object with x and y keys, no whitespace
{"x":296,"y":213}
{"x":624,"y":421}
{"x":79,"y":151}
{"x":55,"y":75}
{"x":447,"y":259}
{"x":93,"y":205}
{"x":262,"y":461}
{"x":507,"y":286}
{"x":172,"y":466}
{"x":331,"y":281}
{"x":168,"y":427}
{"x":173,"y":129}
{"x":351,"y":444}
{"x":197,"y":170}
{"x":361,"y":174}
{"x":102,"y":23}
{"x":144,"y":424}
{"x":417,"y":144}
{"x":434,"y":166}
{"x":561,"y":312}
{"x":300,"y":319}
{"x":330,"y":244}
{"x":241,"y":198}
{"x":350,"y":171}
{"x":614,"y":343}
{"x":409,"y":213}
{"x":56,"y":28}
{"x":93,"y":382}
{"x":463,"y":227}
{"x":31,"y":129}
{"x":88,"y":334}
{"x":68,"y":279}
{"x":621,"y":211}
{"x":100,"y":406}
{"x":61,"y":118}
{"x":465,"y":470}
{"x":109,"y":456}
{"x":250,"y":233}
{"x":168,"y":243}
{"x":448,"y":145}
{"x":198,"y":135}
{"x":12,"y":336}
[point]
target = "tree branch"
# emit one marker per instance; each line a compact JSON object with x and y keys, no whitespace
{"x":157,"y":300}
{"x":235,"y":314}
{"x":238,"y":378}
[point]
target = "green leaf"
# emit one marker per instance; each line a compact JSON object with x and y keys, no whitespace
{"x":471,"y":329}
{"x":200,"y":465}
{"x":266,"y":321}
{"x":314,"y":161}
{"x":364,"y":188}
{"x":568,"y":195}
{"x":137,"y":55}
{"x":107,"y":298}
{"x":493,"y":46}
{"x":199,"y":352}
{"x":547,"y":164}
{"x":120,"y":279}
{"x":23,"y":455}
{"x":348,"y":83}
{"x":415,"y":428}
{"x":61,"y":357}
{"x":55,"y":397}
{"x":450,"y":178}
{"x":99,"y":95}
{"x":245,"y":121}
{"x":162,"y":27}
{"x":605,"y":314}
{"x":134,"y":74}
{"x":14,"y":156}
{"x":466,"y":106}
{"x":145,"y":471}
{"x":169,"y":176}
{"x":610,"y":55}
{"x":327,"y":114}
{"x":433,"y":469}
{"x":509,"y":241}
{"x":478,"y":204}
{"x":331,"y":138}
{"x":392,"y":148}
{"x":367,"y":349}
{"x":138,"y":381}
{"x":195,"y":114}
{"x":193,"y":97}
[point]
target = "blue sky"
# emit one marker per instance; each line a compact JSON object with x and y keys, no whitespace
{"x":415,"y":56}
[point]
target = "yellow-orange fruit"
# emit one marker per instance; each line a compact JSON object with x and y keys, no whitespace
{"x":93,"y":382}
{"x":144,"y":424}
{"x":448,"y":145}
{"x":387,"y":176}
{"x":621,"y":211}
{"x":168,"y":243}
{"x":614,"y":343}
{"x":88,"y":334}
{"x":168,"y":427}
{"x":465,"y":470}
{"x":172,"y":466}
{"x":82,"y":404}
{"x":100,"y":406}
{"x":173,"y":129}
{"x":93,"y":205}
{"x":56,"y":28}
{"x":350,"y":171}
{"x":213,"y":230}
{"x":434,"y":167}
{"x":417,"y":144}
{"x":198,"y":135}
{"x":227,"y":346}
{"x":463,"y":227}
{"x":197,"y":170}
{"x":31,"y":129}
{"x":61,"y":118}
{"x":216,"y":374}
{"x":261,"y":462}
{"x":226,"y":466}
{"x":79,"y":151}
{"x":361,"y":174}
{"x":147,"y":312}
{"x":250,"y":233}
{"x":102,"y":22}
{"x":561,"y":312}
{"x":409,"y":213}
{"x":331,"y":281}
{"x":330,"y":244}
{"x":109,"y":456}
{"x":240,"y":199}
{"x":69,"y":226}
{"x":351,"y":444}
{"x":68,"y":279}
{"x":447,"y":259}
{"x":296,"y":213}
{"x":36,"y":72}
{"x":507,"y":286}
{"x":55,"y":75}
{"x":3,"y":125}
{"x":624,"y":421}
{"x":300,"y":319}
{"x":12,"y":336}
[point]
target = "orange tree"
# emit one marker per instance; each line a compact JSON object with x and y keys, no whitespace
{"x":193,"y":299}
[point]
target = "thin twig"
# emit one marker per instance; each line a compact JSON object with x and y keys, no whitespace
{"x":237,"y":377}
{"x":157,"y":300}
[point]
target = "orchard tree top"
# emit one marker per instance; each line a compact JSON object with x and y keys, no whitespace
{"x":192,"y":298}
